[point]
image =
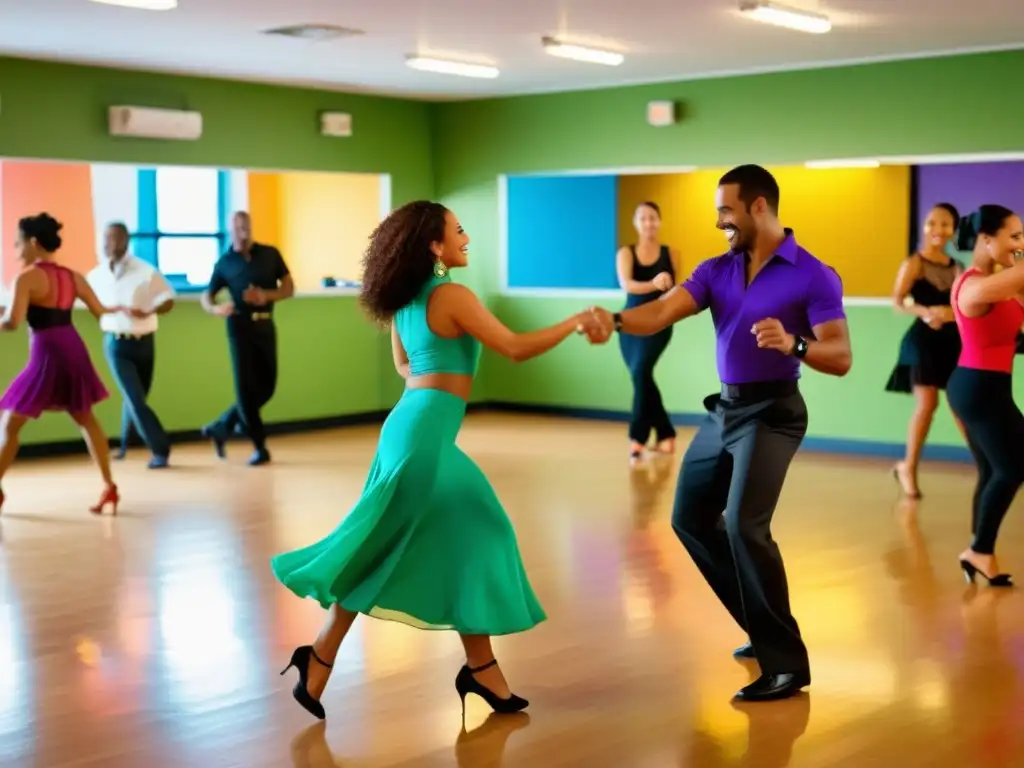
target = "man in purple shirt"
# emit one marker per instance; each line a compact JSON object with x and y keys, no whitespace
{"x":774,"y":307}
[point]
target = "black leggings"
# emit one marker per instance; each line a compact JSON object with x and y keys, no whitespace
{"x":641,"y":354}
{"x":983,"y":401}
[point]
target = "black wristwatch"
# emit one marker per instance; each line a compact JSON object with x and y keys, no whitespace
{"x":617,"y":319}
{"x":799,"y":347}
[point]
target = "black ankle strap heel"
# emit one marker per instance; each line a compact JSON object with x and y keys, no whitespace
{"x":301,"y":659}
{"x":466,"y":684}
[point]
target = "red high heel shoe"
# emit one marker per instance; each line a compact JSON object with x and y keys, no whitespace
{"x":110,"y":496}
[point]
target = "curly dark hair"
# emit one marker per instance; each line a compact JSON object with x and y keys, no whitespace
{"x":398,"y":261}
{"x":44,"y":228}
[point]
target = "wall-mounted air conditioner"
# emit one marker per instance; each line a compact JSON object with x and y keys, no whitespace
{"x":147,"y":123}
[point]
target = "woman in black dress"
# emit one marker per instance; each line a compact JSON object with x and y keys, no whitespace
{"x":931,"y":346}
{"x":646,"y":270}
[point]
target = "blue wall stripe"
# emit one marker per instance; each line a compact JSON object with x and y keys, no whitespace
{"x":562,"y":232}
{"x":225,"y":203}
{"x":145,"y":247}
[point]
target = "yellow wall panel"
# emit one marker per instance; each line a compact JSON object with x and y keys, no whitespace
{"x":325,"y":221}
{"x":264,"y":207}
{"x":854,"y":219}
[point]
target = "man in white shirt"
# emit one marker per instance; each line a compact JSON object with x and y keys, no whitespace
{"x":123,"y":280}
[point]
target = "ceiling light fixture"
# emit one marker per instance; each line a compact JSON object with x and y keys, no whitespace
{"x":316,"y":32}
{"x":852,"y":163}
{"x":581,"y":53}
{"x":783,"y":16}
{"x":142,"y":5}
{"x":446,"y":67}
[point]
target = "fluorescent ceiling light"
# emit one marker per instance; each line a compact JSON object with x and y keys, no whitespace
{"x":782,"y":16}
{"x":142,"y":5}
{"x":581,"y":53}
{"x":853,"y":163}
{"x":445,"y":67}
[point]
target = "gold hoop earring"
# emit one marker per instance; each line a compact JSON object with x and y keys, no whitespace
{"x":440,"y":269}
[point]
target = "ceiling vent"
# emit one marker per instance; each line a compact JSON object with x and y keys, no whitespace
{"x":314,"y":32}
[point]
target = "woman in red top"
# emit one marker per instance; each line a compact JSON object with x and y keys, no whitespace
{"x":989,"y":310}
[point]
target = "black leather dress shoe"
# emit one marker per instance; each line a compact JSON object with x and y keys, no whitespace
{"x":215,"y":434}
{"x":745,"y":651}
{"x":773,"y":687}
{"x":259,"y":458}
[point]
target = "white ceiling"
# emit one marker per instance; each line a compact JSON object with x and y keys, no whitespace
{"x":662,"y":39}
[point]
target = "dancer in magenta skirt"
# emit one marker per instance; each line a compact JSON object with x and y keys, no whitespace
{"x":59,"y":375}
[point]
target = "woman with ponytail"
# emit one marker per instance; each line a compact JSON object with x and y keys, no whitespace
{"x":988,"y":303}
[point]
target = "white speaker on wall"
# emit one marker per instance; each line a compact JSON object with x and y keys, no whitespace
{"x":661,"y":113}
{"x":337,"y":124}
{"x":149,"y":123}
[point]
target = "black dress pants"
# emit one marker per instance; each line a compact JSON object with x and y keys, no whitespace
{"x":253,"y":345}
{"x":641,"y":354}
{"x":983,"y":401}
{"x":730,"y":482}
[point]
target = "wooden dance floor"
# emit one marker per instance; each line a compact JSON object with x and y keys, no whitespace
{"x":154,"y":640}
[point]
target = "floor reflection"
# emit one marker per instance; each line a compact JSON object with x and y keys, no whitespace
{"x":481,"y":747}
{"x":155,"y":639}
{"x":17,"y":699}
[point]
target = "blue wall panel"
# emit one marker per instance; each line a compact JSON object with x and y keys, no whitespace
{"x":562,"y":232}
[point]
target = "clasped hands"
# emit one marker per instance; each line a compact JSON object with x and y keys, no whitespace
{"x":257,"y":297}
{"x":598,"y":325}
{"x":936,"y":317}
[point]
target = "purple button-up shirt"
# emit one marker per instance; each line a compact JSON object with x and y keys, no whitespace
{"x":793,"y":287}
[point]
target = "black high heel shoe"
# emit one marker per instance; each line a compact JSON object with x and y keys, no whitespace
{"x":466,"y":684}
{"x":999,"y":580}
{"x":302,"y":657}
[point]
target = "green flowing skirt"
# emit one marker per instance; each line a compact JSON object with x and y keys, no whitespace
{"x":428,"y":543}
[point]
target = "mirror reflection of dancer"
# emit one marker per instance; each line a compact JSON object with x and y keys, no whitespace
{"x":428,"y":543}
{"x":989,"y":308}
{"x":257,"y":278}
{"x":59,"y":375}
{"x":774,"y":306}
{"x":931,"y":346}
{"x":646,"y":270}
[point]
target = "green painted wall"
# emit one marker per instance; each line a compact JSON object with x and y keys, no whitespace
{"x":913,"y":107}
{"x":332,"y":361}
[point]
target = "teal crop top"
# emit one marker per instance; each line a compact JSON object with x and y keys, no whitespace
{"x":428,"y":352}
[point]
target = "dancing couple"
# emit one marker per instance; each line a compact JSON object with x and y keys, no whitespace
{"x":428,"y":543}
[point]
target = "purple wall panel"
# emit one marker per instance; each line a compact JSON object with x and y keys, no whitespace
{"x":969,"y":185}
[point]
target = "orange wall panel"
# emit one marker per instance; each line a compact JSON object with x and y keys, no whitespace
{"x":64,"y":191}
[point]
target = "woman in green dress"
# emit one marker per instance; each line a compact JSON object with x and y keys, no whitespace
{"x":428,"y":543}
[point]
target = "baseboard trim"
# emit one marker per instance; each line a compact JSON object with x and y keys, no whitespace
{"x":299,"y":426}
{"x":837,"y":446}
{"x":832,"y":445}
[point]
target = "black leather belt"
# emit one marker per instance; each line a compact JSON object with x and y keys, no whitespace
{"x":130,"y":336}
{"x":254,"y":316}
{"x":759,"y":390}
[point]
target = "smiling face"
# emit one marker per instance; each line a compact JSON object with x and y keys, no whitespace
{"x":739,"y":223}
{"x":1006,"y":245}
{"x":453,"y":251}
{"x":938,"y":228}
{"x":647,"y":222}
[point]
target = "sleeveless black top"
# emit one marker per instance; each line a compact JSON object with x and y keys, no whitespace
{"x":62,"y":286}
{"x":644,"y":272}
